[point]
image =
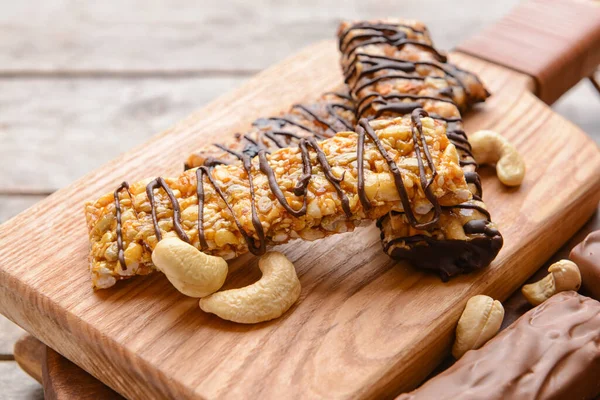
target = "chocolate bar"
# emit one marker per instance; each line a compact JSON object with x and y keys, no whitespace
{"x":587,"y":257}
{"x":551,"y":352}
{"x":393,"y":69}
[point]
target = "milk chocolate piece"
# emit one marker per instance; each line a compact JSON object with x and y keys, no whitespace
{"x":551,"y":352}
{"x":587,"y":256}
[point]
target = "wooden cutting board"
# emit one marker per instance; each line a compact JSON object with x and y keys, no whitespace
{"x":365,"y":326}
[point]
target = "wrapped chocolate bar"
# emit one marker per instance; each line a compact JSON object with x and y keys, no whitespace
{"x":587,"y":257}
{"x":551,"y":352}
{"x":392,"y":69}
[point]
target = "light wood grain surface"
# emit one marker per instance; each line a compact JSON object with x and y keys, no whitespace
{"x":83,"y":82}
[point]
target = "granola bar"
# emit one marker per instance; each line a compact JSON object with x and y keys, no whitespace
{"x":309,"y":192}
{"x":392,"y":69}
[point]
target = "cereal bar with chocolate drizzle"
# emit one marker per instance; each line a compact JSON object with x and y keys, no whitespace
{"x":309,"y":192}
{"x":392,"y":69}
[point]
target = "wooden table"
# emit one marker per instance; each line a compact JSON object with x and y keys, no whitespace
{"x":80,"y":83}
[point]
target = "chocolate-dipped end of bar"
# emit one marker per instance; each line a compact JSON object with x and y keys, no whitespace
{"x":449,"y":258}
{"x":552,"y":352}
{"x":587,"y":257}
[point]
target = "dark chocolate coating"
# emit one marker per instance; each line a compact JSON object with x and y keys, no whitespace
{"x":450,"y":258}
{"x":552,"y":352}
{"x":587,"y":257}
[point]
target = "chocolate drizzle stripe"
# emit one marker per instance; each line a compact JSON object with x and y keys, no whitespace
{"x":466,"y":205}
{"x":331,"y":109}
{"x":297,"y":124}
{"x":338,"y":94}
{"x":377,"y":98}
{"x":473,"y":206}
{"x":252,"y":246}
{"x":272,"y":135}
{"x":392,"y":64}
{"x":398,"y":41}
{"x":313,"y":115}
{"x":254,"y":142}
{"x":228,"y":150}
{"x":376,"y":26}
{"x":364,"y":129}
{"x":379,"y":63}
{"x":302,"y":185}
{"x":385,"y":78}
{"x":473,"y":178}
{"x":120,"y":248}
{"x":417,"y":124}
{"x":210,"y":161}
{"x":160,"y":183}
{"x":322,"y":159}
{"x":462,"y":146}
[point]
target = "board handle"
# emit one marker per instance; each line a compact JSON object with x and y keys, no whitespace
{"x":557,"y":42}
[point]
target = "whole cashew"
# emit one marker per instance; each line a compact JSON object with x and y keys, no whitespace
{"x":192,"y":272}
{"x":489,"y":147}
{"x":564,"y":275}
{"x":266,"y":299}
{"x":479,"y":322}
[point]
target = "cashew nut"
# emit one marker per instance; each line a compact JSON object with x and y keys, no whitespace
{"x":489,"y":147}
{"x":266,"y":299}
{"x":479,"y":322}
{"x":564,"y":275}
{"x":192,"y":272}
